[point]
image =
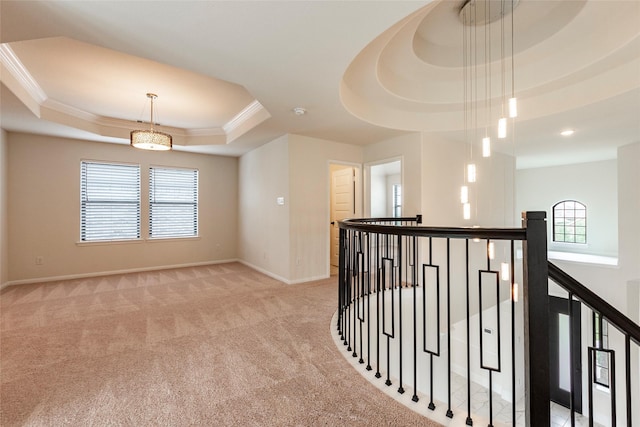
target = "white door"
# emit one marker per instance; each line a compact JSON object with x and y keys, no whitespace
{"x":342,"y":205}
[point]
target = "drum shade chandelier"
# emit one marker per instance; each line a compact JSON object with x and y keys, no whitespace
{"x":151,"y":139}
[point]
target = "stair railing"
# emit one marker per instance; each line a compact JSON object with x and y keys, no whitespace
{"x":419,"y":304}
{"x":602,"y":313}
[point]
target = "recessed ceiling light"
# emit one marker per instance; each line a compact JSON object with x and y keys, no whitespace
{"x":299,"y":111}
{"x":567,"y":132}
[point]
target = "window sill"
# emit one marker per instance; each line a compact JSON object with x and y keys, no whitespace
{"x":584,"y":258}
{"x":135,"y":241}
{"x":109,"y":242}
{"x":172,"y":239}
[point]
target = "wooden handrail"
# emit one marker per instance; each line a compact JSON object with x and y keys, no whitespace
{"x":595,"y":303}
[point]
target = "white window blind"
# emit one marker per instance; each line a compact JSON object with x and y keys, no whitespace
{"x":173,"y":202}
{"x":109,"y":201}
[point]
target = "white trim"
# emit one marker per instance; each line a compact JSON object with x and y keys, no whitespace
{"x":112,"y":272}
{"x":69,"y":110}
{"x":309,"y":279}
{"x":280,"y":278}
{"x":583,"y":258}
{"x":21,"y":74}
{"x":263,"y":271}
{"x":244,"y":115}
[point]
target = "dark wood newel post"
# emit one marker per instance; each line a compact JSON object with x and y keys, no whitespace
{"x":535,"y":298}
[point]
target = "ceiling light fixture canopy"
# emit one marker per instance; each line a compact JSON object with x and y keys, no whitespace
{"x":151,"y":139}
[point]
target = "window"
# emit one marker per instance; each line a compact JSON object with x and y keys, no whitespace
{"x":173,"y":202}
{"x":397,"y":200}
{"x":109,"y":201}
{"x":570,"y":222}
{"x":601,"y":349}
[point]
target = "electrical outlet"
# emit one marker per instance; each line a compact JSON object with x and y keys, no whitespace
{"x":39,"y":260}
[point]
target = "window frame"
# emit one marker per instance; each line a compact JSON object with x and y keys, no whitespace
{"x":572,"y":237}
{"x":85,"y":203}
{"x":160,"y":205}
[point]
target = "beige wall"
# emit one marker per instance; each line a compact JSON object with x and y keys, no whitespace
{"x":264,"y":225}
{"x":309,"y":160}
{"x":628,"y":209}
{"x":409,"y":149}
{"x":44,"y":206}
{"x":291,"y":241}
{"x":491,"y":197}
{"x":595,"y":184}
{"x":4,"y":228}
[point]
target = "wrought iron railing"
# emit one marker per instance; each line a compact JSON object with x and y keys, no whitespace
{"x":422,"y":304}
{"x":604,"y":353}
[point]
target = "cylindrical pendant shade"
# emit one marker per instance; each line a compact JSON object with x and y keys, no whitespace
{"x":151,"y":140}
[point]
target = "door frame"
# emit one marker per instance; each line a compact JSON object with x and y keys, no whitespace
{"x":367,"y":181}
{"x":358,"y":200}
{"x":557,"y":306}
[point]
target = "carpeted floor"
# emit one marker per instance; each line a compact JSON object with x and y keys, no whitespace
{"x":218,"y":345}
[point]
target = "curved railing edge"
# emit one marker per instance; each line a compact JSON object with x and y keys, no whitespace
{"x":369,"y":225}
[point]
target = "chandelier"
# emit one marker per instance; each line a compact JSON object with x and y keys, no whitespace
{"x":477,"y":17}
{"x":151,"y":139}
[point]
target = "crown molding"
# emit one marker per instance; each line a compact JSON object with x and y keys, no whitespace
{"x":21,"y":74}
{"x":249,"y":111}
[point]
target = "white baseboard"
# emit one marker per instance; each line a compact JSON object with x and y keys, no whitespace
{"x":280,"y":278}
{"x":112,"y":272}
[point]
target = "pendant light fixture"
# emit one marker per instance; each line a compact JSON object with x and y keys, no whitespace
{"x":151,"y":139}
{"x":478,"y":17}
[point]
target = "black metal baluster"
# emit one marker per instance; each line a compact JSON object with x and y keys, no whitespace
{"x":571,"y":367}
{"x":388,"y":273}
{"x":361,"y":311}
{"x":379,"y":294}
{"x":469,"y":420}
{"x":425,"y":287}
{"x":449,"y":411}
{"x":354,"y":292}
{"x":627,"y":352}
{"x":368,"y":259}
{"x":349,"y":279}
{"x":491,"y":369}
{"x":340,"y":277}
{"x":415,"y":315}
{"x":400,"y":388}
{"x":612,"y":381}
{"x":513,"y":335}
{"x":590,"y":381}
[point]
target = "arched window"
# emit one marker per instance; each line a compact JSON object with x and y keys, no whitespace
{"x":570,"y":222}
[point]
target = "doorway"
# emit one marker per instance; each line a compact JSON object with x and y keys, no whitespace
{"x":384,"y":184}
{"x":344,"y":203}
{"x":565,"y":353}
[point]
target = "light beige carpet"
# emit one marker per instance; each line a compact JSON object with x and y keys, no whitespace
{"x":218,"y":345}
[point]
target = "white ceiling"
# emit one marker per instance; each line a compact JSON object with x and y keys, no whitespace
{"x":229,"y":73}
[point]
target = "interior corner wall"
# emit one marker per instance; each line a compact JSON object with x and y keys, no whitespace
{"x":309,"y":160}
{"x":491,"y":196}
{"x":4,"y":227}
{"x":595,"y":184}
{"x":44,"y":210}
{"x":628,"y":208}
{"x":264,"y":224}
{"x":409,"y":148}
